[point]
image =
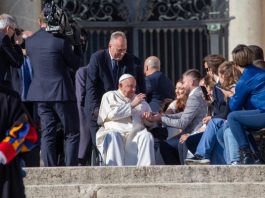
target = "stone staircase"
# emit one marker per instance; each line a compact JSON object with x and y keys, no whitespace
{"x":154,"y":181}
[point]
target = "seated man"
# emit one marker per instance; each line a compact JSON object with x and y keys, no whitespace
{"x":173,"y":150}
{"x":123,"y":138}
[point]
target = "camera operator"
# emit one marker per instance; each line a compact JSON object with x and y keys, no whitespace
{"x":10,"y":51}
{"x":51,"y":58}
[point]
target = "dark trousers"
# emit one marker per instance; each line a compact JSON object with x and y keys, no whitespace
{"x":193,"y":141}
{"x":52,"y":113}
{"x":89,"y":144}
{"x":11,"y":183}
{"x":31,"y":158}
{"x":85,"y":139}
{"x":170,"y":151}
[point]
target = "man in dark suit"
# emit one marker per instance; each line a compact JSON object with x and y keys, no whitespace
{"x":105,"y":68}
{"x":158,"y":86}
{"x":51,"y":57}
{"x":10,"y":52}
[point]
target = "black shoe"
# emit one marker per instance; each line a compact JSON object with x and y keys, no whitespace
{"x":197,"y":160}
{"x":246,"y":156}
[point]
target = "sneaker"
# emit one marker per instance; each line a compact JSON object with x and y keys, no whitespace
{"x":235,"y":163}
{"x":197,"y":160}
{"x":246,"y":156}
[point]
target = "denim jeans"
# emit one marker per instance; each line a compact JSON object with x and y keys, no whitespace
{"x":239,"y":121}
{"x":209,"y":147}
{"x":231,"y":147}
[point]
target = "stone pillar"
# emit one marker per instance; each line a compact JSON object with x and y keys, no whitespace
{"x":26,"y":12}
{"x":248,"y":26}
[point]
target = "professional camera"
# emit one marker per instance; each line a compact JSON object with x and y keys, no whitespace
{"x":58,"y":22}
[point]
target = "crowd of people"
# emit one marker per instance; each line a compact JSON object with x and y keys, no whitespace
{"x":124,"y":112}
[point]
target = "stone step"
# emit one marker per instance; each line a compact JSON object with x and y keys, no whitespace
{"x":142,"y":190}
{"x":146,"y":175}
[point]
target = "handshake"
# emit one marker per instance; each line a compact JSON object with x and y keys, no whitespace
{"x":151,"y":116}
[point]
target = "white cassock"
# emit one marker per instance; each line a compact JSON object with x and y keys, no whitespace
{"x":123,"y":138}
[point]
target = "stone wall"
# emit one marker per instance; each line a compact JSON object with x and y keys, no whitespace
{"x":26,"y":12}
{"x":248,"y":25}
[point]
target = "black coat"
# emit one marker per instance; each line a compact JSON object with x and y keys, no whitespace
{"x":10,"y":56}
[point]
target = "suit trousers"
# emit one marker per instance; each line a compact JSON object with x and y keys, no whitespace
{"x":51,"y":114}
{"x":171,"y":151}
{"x":84,"y":153}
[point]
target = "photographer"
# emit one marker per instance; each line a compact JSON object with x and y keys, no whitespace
{"x":10,"y":51}
{"x":52,"y":58}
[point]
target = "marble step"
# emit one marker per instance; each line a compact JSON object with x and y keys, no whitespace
{"x":147,"y":175}
{"x":150,"y":190}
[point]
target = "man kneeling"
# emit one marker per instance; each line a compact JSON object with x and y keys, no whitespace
{"x":123,"y":138}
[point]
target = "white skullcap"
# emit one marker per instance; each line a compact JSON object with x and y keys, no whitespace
{"x":125,"y":76}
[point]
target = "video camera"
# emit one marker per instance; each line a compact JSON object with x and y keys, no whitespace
{"x":58,"y":22}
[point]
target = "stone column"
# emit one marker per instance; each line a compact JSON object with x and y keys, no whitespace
{"x":26,"y":12}
{"x":248,"y":26}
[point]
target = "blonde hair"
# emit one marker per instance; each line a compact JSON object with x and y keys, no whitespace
{"x":230,"y":73}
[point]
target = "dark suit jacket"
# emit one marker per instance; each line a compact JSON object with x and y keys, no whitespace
{"x":51,"y":58}
{"x":158,"y":87}
{"x":100,"y":80}
{"x":219,"y":104}
{"x":10,"y":55}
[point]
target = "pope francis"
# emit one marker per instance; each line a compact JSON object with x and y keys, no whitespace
{"x":123,"y":138}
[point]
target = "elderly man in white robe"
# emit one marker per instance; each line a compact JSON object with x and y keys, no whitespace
{"x":123,"y":138}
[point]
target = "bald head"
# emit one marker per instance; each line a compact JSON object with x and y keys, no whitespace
{"x":151,"y":65}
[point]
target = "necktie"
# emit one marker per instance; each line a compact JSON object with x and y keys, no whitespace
{"x":115,"y":70}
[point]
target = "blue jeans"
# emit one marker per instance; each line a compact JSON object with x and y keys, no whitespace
{"x":239,"y":121}
{"x":209,"y":147}
{"x":231,"y":147}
